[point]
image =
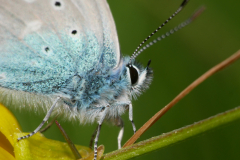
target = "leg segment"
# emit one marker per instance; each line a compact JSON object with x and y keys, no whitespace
{"x":98,"y":132}
{"x":41,"y":124}
{"x":49,"y":125}
{"x":131,"y":117}
{"x":92,"y":138}
{"x":120,"y":124}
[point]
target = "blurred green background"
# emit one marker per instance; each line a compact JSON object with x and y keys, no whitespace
{"x":176,"y":61}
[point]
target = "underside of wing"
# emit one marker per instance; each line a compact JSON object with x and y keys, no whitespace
{"x":43,"y":43}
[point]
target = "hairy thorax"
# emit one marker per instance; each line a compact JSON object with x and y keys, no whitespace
{"x":89,"y":95}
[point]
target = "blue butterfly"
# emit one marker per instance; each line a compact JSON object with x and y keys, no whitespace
{"x":64,"y":57}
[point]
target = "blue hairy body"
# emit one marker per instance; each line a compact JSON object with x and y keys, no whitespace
{"x":83,"y":74}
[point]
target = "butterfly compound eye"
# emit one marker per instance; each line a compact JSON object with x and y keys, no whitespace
{"x":133,"y":74}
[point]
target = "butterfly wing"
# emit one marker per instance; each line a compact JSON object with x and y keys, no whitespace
{"x":45,"y":42}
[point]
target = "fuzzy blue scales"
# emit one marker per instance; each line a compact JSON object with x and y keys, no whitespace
{"x":64,"y":57}
{"x":89,"y":90}
{"x":42,"y":64}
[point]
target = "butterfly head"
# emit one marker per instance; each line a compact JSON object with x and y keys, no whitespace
{"x":134,"y":76}
{"x":139,"y":77}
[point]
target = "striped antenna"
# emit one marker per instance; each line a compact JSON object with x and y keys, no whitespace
{"x":135,"y":53}
{"x":175,"y":29}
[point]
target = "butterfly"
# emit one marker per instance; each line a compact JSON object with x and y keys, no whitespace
{"x":64,"y":57}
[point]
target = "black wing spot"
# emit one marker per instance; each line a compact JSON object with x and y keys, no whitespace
{"x":47,"y":49}
{"x":74,"y":32}
{"x":57,"y":4}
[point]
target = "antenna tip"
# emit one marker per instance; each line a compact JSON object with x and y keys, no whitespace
{"x":184,"y":3}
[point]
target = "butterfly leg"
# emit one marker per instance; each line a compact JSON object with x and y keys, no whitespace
{"x":49,"y":125}
{"x":98,"y":132}
{"x":120,"y":124}
{"x":130,"y":110}
{"x":92,"y":138}
{"x":44,"y":120}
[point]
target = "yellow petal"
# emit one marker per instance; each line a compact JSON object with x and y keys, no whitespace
{"x":8,"y":124}
{"x":38,"y":147}
{"x":5,"y":155}
{"x":5,"y":145}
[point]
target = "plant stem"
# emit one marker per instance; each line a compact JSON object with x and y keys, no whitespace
{"x":174,"y":136}
{"x":181,"y":95}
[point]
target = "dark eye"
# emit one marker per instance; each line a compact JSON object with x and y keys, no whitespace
{"x":133,"y":74}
